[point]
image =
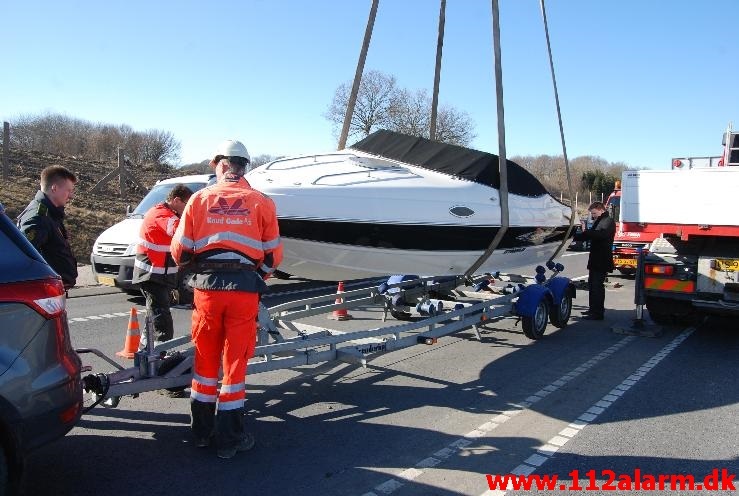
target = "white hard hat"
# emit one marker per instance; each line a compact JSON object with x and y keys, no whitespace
{"x":230,"y":148}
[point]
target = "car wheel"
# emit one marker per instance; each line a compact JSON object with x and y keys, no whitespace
{"x":534,"y":327}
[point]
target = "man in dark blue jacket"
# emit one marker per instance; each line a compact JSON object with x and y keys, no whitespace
{"x":42,"y":222}
{"x":600,"y":260}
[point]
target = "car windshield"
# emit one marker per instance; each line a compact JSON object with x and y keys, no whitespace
{"x":158,"y":194}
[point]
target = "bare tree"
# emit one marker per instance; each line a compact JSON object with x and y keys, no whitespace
{"x":376,"y":93}
{"x":64,"y":135}
{"x":454,"y":126}
{"x":159,"y":147}
{"x":263,"y":159}
{"x":551,"y":172}
{"x":410,"y":113}
{"x":380,"y":104}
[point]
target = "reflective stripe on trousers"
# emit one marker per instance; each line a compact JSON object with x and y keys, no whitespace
{"x":223,"y":325}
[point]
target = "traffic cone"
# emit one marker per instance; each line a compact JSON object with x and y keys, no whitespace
{"x":341,"y":313}
{"x":133,"y":336}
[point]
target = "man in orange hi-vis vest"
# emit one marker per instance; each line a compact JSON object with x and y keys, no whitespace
{"x":228,"y":235}
{"x":154,"y":270}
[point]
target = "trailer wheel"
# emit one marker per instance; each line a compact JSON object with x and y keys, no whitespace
{"x":534,"y":327}
{"x":560,"y":315}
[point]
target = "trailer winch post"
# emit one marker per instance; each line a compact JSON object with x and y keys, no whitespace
{"x":638,"y":326}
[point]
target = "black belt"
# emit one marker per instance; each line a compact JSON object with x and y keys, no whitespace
{"x":224,"y":265}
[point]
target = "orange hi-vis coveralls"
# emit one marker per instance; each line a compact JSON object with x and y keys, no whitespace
{"x":154,"y":270}
{"x":229,"y":234}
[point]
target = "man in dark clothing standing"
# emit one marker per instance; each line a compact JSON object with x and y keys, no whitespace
{"x":42,"y":222}
{"x":600,"y":260}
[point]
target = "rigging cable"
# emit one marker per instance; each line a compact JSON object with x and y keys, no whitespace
{"x":437,"y":71}
{"x":573,"y":205}
{"x":358,"y":75}
{"x":502,"y":161}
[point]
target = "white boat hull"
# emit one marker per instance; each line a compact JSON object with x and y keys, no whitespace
{"x":406,"y":206}
{"x":334,"y":262}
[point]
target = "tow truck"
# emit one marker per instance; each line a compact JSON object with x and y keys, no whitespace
{"x":692,"y":268}
{"x":632,"y":238}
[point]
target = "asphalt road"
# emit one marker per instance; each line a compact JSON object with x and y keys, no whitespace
{"x":427,"y":420}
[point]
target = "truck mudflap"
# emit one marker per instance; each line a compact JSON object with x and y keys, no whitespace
{"x":671,"y":285}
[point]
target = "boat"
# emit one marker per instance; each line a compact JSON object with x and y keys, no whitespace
{"x":397,"y":204}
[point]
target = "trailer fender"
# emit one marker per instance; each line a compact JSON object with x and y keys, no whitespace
{"x":529,"y":299}
{"x":560,"y":287}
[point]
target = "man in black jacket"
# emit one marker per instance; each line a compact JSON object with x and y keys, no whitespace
{"x":42,"y":222}
{"x":600,"y":260}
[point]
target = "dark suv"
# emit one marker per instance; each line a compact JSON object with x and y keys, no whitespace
{"x":40,"y":387}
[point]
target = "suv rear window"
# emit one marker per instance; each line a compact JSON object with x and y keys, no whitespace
{"x":158,"y":194}
{"x":19,"y":257}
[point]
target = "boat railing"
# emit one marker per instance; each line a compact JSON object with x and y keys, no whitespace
{"x":368,"y":170}
{"x":339,"y":156}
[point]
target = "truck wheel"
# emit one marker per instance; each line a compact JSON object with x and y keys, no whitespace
{"x":661,"y":318}
{"x":560,"y":315}
{"x":534,"y":327}
{"x":665,"y":311}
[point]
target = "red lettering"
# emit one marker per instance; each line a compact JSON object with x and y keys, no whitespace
{"x":608,"y":485}
{"x":716,"y":480}
{"x":649,"y":483}
{"x":624,"y":482}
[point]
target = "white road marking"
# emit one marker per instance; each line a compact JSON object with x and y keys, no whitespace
{"x":105,"y":316}
{"x":527,"y":467}
{"x":455,"y":447}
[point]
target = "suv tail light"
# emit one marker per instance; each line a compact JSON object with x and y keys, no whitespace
{"x":47,"y":297}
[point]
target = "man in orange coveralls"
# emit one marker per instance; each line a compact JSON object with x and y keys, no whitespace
{"x":228,"y":235}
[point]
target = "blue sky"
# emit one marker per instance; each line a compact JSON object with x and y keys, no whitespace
{"x":640,"y":81}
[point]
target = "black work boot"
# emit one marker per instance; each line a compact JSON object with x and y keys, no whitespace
{"x":202,"y":422}
{"x":230,"y":435}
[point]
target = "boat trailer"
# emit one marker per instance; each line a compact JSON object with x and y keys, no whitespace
{"x":289,"y":335}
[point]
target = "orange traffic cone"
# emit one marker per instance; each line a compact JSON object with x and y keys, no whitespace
{"x":133,"y":336}
{"x":341,"y":313}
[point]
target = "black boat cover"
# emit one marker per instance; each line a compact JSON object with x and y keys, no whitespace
{"x":454,"y":160}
